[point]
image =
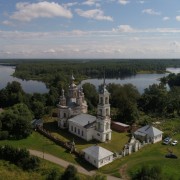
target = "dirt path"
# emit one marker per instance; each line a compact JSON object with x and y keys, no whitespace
{"x":64,"y":163}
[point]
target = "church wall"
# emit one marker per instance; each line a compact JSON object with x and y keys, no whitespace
{"x":80,"y":131}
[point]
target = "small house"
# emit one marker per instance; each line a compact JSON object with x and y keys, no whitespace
{"x":98,"y":156}
{"x":148,"y":134}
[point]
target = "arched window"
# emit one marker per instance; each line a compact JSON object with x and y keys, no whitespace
{"x":106,"y":100}
{"x":107,"y":126}
{"x":100,"y":112}
{"x":101,"y":100}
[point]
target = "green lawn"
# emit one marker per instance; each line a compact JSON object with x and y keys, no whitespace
{"x":41,"y":143}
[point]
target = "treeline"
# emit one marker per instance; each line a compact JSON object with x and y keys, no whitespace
{"x":172,"y":80}
{"x":19,"y":157}
{"x":51,"y":71}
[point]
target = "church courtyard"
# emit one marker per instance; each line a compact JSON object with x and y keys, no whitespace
{"x":116,"y":144}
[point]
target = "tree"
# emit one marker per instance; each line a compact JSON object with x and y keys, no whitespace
{"x":12,"y":94}
{"x":148,"y":173}
{"x":17,"y":121}
{"x":154,"y":99}
{"x":38,"y":109}
{"x":70,"y":173}
{"x":124,"y":98}
{"x":53,"y":175}
{"x":91,"y":95}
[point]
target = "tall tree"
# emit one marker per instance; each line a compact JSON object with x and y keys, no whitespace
{"x":17,"y":121}
{"x":124,"y":98}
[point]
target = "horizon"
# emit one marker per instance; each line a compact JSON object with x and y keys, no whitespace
{"x":90,"y":29}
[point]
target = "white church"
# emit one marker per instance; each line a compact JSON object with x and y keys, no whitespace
{"x":72,"y":114}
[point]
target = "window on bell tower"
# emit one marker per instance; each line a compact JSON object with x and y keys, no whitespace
{"x":100,"y":112}
{"x":106,"y":100}
{"x":107,"y":126}
{"x":101,"y":100}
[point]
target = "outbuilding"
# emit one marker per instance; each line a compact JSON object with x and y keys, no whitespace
{"x":120,"y":127}
{"x":98,"y":156}
{"x":148,"y":134}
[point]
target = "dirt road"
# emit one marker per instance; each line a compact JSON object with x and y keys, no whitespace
{"x":64,"y":163}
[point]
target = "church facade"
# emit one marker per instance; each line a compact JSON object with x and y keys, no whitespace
{"x":72,"y":114}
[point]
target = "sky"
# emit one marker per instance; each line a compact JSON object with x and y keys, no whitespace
{"x":89,"y":29}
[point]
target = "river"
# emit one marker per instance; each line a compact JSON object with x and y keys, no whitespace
{"x":141,"y":81}
{"x":28,"y":86}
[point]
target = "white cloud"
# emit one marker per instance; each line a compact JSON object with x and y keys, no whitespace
{"x":131,"y":43}
{"x":7,"y":23}
{"x":151,"y":12}
{"x":166,"y":18}
{"x":94,"y":14}
{"x":175,"y":44}
{"x":129,"y":29}
{"x":123,"y":2}
{"x":70,"y":4}
{"x":141,"y":2}
{"x":124,"y":28}
{"x":178,"y":18}
{"x":91,"y":3}
{"x":27,"y":11}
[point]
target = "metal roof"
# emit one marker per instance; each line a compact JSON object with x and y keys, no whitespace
{"x":97,"y":152}
{"x":149,"y":130}
{"x":83,"y":119}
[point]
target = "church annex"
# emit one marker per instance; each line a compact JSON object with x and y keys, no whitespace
{"x":72,"y":114}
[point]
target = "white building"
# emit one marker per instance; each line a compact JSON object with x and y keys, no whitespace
{"x":98,"y":156}
{"x":148,"y":134}
{"x":73,"y":115}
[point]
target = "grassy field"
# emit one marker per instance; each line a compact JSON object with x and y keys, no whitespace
{"x":10,"y":171}
{"x":151,"y":154}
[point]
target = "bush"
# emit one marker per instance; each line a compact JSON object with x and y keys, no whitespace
{"x":19,"y":157}
{"x":4,"y":135}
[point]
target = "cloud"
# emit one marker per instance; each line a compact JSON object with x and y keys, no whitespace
{"x":94,"y":14}
{"x":141,"y":2}
{"x":91,"y":3}
{"x":123,"y":2}
{"x":175,"y":44}
{"x":178,"y":18}
{"x":129,"y":29}
{"x":151,"y":12}
{"x":70,"y":4}
{"x":27,"y":12}
{"x":124,"y":28}
{"x":7,"y":23}
{"x":166,"y":18}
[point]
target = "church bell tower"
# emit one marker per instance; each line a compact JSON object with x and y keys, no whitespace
{"x":103,"y":122}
